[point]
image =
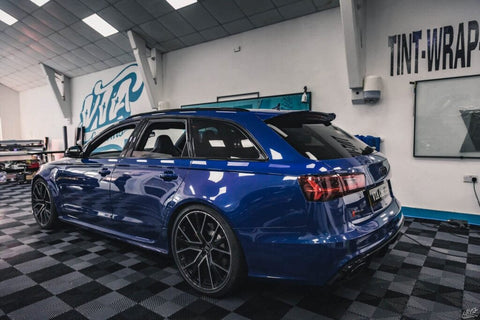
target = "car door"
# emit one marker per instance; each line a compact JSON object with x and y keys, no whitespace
{"x":145,"y":182}
{"x":84,"y":183}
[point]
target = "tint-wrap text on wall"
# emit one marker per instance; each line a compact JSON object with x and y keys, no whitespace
{"x":440,"y":48}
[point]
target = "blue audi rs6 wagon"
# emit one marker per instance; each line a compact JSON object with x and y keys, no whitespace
{"x":229,"y":193}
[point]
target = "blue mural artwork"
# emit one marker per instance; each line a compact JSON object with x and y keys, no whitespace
{"x":109,"y":103}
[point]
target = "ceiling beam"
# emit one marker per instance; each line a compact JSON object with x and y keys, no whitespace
{"x":61,"y":87}
{"x":150,"y":64}
{"x":352,"y":13}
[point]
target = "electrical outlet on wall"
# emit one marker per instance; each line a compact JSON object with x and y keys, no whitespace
{"x":469,"y":178}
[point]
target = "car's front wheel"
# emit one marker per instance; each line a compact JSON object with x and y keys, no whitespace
{"x":42,"y":205}
{"x":206,"y":251}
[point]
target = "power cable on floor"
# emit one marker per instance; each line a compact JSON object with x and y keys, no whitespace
{"x":450,"y":232}
{"x":474,"y":182}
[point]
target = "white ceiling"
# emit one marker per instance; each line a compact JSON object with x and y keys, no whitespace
{"x":55,"y":35}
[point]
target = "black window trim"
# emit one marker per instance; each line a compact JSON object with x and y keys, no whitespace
{"x":141,"y":125}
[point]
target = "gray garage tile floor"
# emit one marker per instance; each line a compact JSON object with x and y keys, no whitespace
{"x":432,"y":272}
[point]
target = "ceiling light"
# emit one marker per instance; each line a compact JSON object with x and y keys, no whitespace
{"x":177,"y":4}
{"x":100,"y":25}
{"x":8,"y":19}
{"x":39,"y":2}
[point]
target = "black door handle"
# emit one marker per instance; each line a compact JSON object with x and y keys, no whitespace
{"x":168,"y":175}
{"x":104,"y":172}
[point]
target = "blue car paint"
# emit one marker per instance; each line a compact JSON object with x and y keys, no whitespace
{"x":282,"y":235}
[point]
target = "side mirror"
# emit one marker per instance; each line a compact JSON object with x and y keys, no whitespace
{"x":74,"y":152}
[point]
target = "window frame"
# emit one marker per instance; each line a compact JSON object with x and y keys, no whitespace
{"x":262,"y":154}
{"x":97,"y":141}
{"x":143,"y":130}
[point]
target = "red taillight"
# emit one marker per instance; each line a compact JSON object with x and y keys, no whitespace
{"x":329,"y":187}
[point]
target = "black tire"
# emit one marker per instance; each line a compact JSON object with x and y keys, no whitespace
{"x":206,"y":251}
{"x":43,"y":207}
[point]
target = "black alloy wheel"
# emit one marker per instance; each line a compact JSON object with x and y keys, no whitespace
{"x":42,"y":205}
{"x":206,"y":251}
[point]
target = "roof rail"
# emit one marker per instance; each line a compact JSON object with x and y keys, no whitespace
{"x":185,"y":109}
{"x":214,"y":109}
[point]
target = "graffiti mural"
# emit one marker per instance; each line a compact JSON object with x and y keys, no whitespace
{"x":109,"y":103}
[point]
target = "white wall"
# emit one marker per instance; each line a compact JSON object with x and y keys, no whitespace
{"x":282,"y":58}
{"x":424,"y":183}
{"x":40,"y":115}
{"x":277,"y":59}
{"x":9,"y":113}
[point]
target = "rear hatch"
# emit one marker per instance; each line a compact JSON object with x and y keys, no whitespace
{"x":342,"y":166}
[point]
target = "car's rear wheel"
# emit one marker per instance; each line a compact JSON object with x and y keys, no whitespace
{"x":42,"y":205}
{"x":207,"y":251}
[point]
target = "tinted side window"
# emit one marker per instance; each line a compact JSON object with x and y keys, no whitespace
{"x":220,"y":140}
{"x":111,"y":145}
{"x":163,"y":139}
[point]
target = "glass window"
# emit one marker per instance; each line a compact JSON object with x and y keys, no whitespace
{"x":316,"y":138}
{"x":111,"y":146}
{"x":220,"y":140}
{"x":163,"y":139}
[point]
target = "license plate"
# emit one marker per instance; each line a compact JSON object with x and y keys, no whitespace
{"x":378,"y":194}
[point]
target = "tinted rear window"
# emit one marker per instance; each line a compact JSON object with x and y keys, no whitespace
{"x":316,"y":138}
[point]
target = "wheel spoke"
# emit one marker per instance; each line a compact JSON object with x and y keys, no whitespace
{"x":37,"y":191}
{"x":40,"y":216}
{"x":199,"y":271}
{"x":221,"y":251}
{"x":203,"y":224}
{"x":189,"y":248}
{"x":219,"y":266}
{"x":40,"y":211}
{"x":193,"y":228}
{"x":209,"y":271}
{"x":214,"y":233}
{"x":45,"y":216}
{"x":187,"y":238}
{"x":193,"y":262}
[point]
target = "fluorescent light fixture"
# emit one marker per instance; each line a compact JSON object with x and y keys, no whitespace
{"x":177,"y":4}
{"x":39,"y":2}
{"x":100,"y":25}
{"x":8,"y":19}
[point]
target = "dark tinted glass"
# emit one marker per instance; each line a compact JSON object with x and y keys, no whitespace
{"x":316,"y":139}
{"x":220,"y":140}
{"x":163,"y":139}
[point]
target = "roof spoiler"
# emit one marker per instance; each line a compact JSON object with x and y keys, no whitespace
{"x":303,"y":117}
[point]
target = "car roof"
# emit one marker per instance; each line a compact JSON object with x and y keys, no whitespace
{"x":263,"y":114}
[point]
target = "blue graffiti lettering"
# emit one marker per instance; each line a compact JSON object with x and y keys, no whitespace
{"x":109,"y":103}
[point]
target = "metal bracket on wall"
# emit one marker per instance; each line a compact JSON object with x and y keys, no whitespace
{"x":150,"y":65}
{"x":60,"y":84}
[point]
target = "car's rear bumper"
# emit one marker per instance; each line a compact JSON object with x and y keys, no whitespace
{"x":319,"y":258}
{"x":352,"y":267}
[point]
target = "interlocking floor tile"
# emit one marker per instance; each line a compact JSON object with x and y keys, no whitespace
{"x":70,"y":273}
